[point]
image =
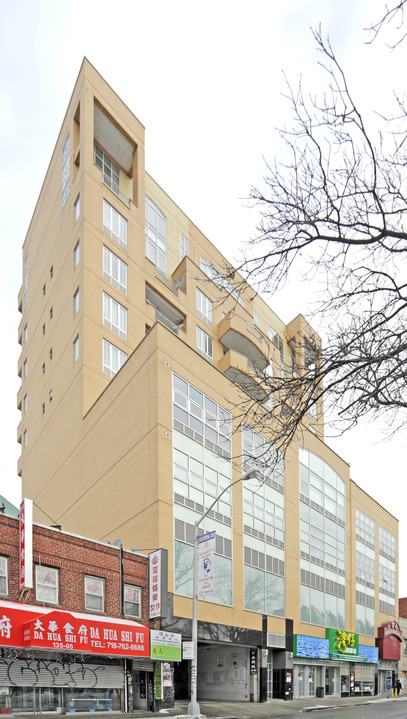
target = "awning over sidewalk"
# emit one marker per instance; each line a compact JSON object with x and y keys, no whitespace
{"x":26,"y":625}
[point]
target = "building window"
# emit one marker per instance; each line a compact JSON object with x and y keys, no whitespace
{"x":50,"y":353}
{"x":51,"y":312}
{"x":94,"y":594}
{"x":46,"y":584}
{"x":204,"y":307}
{"x":77,"y":208}
{"x":113,"y":358}
{"x":43,"y":407}
{"x":256,"y":318}
{"x":25,"y":368}
{"x":25,"y":438}
{"x":76,"y":349}
{"x":184,"y":246}
{"x":114,"y":270}
{"x":76,"y":255}
{"x":76,"y":302}
{"x":115,"y":225}
{"x":114,"y":316}
{"x":25,"y":403}
{"x":43,"y":329}
{"x":204,"y":344}
{"x":132,"y":601}
{"x":25,"y":281}
{"x":220,"y":280}
{"x":156,"y":235}
{"x":51,"y":271}
{"x":110,"y":171}
{"x":3,"y":575}
{"x":25,"y":333}
{"x":65,"y":170}
{"x":43,"y":368}
{"x":44,"y":289}
{"x":50,"y":395}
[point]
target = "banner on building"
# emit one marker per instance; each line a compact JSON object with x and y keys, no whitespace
{"x":26,"y":544}
{"x":158,"y":583}
{"x":206,"y":557}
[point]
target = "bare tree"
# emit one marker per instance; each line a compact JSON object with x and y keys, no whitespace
{"x":336,"y":208}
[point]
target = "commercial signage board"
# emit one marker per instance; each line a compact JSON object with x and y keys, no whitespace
{"x":304,"y":646}
{"x":206,"y":562}
{"x":165,"y":646}
{"x":187,"y":650}
{"x":33,"y":626}
{"x":26,"y":544}
{"x":342,"y":644}
{"x":158,"y":583}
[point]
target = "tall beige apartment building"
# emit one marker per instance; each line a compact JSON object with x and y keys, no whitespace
{"x":136,"y":355}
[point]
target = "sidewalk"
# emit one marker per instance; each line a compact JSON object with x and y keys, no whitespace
{"x":242,"y":710}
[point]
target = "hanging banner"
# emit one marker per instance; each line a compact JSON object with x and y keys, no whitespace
{"x":206,"y":552}
{"x":158,"y":583}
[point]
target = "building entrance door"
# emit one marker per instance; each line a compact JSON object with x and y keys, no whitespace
{"x":35,"y":699}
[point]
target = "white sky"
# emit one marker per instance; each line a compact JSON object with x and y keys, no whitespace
{"x":205,"y":78}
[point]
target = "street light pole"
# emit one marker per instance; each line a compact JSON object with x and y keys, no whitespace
{"x":193,"y":706}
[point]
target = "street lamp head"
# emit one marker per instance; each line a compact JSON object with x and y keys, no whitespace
{"x":251,"y":474}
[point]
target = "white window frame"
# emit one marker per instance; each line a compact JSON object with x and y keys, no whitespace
{"x":76,"y":302}
{"x":3,"y":576}
{"x":110,"y":171}
{"x":113,"y":358}
{"x":128,"y":590}
{"x":155,"y":235}
{"x":76,"y":349}
{"x":114,"y":270}
{"x":184,"y":246}
{"x":90,"y":584}
{"x":25,"y":333}
{"x":204,"y":307}
{"x":77,"y":208}
{"x":114,"y":316}
{"x":204,"y":344}
{"x":65,"y":171}
{"x":25,"y":368}
{"x":114,"y":224}
{"x":52,"y":572}
{"x":76,"y":255}
{"x":256,"y":318}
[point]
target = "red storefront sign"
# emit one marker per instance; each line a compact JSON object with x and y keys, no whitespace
{"x":390,"y":638}
{"x":31,"y":626}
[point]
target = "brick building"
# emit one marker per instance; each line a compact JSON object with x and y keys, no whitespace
{"x":99,"y":593}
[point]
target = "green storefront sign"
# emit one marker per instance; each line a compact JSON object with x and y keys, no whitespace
{"x":343,"y":645}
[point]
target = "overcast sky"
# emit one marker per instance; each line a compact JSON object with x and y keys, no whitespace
{"x":206,"y":80}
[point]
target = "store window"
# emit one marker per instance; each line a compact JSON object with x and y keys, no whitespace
{"x":94,"y":594}
{"x":46,"y":584}
{"x":132,"y":601}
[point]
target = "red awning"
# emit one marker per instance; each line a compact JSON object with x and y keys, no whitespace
{"x":25,"y":625}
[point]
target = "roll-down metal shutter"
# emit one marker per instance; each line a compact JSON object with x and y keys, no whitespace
{"x":48,"y":673}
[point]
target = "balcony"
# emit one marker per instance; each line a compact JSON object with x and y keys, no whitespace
{"x":239,"y":369}
{"x":165,"y":313}
{"x":234,"y":334}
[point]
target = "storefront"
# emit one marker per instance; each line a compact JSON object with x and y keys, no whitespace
{"x":335,"y":666}
{"x":57,"y":661}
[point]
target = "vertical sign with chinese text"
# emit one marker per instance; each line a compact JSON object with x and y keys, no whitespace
{"x":158,"y":583}
{"x":26,"y":544}
{"x":206,"y":576}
